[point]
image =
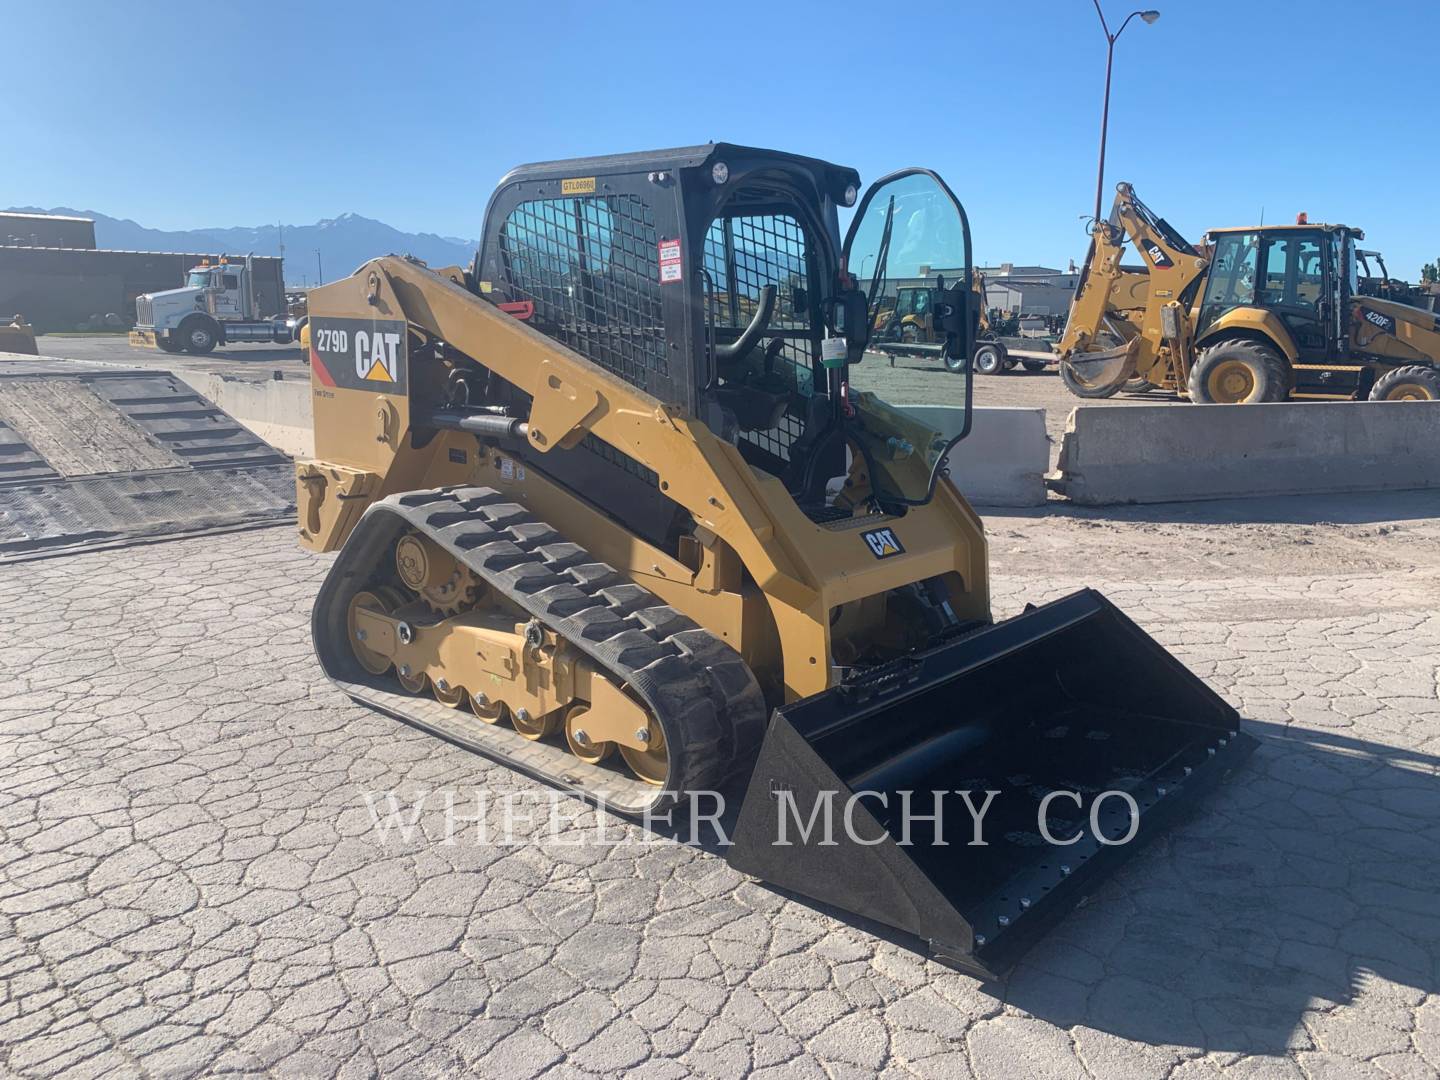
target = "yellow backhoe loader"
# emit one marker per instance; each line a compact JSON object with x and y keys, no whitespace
{"x":1262,"y":313}
{"x":609,"y":513}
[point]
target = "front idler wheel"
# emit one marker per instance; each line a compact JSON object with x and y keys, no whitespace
{"x":651,"y":764}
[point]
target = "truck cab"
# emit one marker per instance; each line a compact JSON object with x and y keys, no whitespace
{"x":217,"y":305}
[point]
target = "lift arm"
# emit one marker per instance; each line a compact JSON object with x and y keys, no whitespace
{"x":1126,"y":322}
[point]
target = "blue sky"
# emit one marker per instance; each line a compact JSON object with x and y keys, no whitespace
{"x":410,"y":112}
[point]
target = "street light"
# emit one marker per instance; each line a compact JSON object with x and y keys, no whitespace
{"x":1149,"y":17}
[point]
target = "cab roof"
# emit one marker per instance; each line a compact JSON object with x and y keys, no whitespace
{"x":682,"y":157}
{"x":1357,"y":233}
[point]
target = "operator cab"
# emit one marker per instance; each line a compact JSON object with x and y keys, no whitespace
{"x":714,"y":278}
{"x":1304,"y":274}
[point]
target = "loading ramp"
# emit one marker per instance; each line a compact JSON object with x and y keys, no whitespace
{"x":95,"y":456}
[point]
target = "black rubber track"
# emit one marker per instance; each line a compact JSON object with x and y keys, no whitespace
{"x":704,"y":695}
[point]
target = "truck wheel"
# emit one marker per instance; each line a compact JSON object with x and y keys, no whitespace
{"x":956,"y":364}
{"x":1239,"y":372}
{"x":1412,"y":383}
{"x":198,"y":336}
{"x":168,"y":342}
{"x":988,"y":358}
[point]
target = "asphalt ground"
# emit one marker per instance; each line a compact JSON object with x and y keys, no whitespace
{"x":193,"y":882}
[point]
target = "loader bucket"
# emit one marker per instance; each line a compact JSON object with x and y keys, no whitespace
{"x":1071,"y":697}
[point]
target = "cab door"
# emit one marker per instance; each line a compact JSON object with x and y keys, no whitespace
{"x":1296,"y":282}
{"x":228,"y":302}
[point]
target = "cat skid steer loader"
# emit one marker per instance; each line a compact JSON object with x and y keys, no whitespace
{"x":1253,"y":314}
{"x":609,"y":512}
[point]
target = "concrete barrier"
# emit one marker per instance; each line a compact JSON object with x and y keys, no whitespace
{"x":1170,"y":453}
{"x":1002,"y":462}
{"x":278,"y":410}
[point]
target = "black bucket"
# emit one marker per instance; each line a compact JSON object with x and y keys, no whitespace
{"x":1070,"y":698}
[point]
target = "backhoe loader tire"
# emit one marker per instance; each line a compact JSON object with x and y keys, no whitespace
{"x":1414,"y":382}
{"x":1239,"y":372}
{"x":989,"y":358}
{"x":1138,"y":385}
{"x":1079,"y":389}
{"x":1034,"y":366}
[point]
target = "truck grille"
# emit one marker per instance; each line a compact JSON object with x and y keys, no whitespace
{"x":144,"y":312}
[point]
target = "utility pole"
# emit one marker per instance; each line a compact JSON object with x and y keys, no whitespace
{"x":1110,"y":39}
{"x":319,"y":267}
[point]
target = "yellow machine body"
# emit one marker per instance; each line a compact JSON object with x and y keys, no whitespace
{"x":607,"y":511}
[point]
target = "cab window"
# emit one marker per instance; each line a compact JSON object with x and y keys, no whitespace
{"x":230,"y":281}
{"x":1294,"y":274}
{"x":1232,"y":275}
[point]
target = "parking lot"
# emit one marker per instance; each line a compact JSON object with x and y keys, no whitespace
{"x":193,"y":880}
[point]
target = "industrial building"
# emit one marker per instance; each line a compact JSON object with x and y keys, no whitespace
{"x":52,"y":273}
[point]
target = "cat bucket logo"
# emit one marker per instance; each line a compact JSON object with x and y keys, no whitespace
{"x":359,"y":354}
{"x":882,"y":543}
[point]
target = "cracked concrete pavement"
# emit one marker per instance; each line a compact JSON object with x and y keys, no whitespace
{"x":191,"y":883}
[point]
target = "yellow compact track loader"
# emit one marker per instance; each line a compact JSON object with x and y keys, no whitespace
{"x":1252,"y":314}
{"x":609,"y":513}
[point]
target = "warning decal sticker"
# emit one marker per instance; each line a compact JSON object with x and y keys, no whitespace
{"x":670,"y":262}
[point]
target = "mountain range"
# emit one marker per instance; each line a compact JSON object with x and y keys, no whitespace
{"x":343,"y":242}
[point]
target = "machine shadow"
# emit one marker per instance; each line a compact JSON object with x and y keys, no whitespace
{"x":1311,"y":870}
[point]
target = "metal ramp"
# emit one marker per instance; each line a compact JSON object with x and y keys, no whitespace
{"x":95,"y":456}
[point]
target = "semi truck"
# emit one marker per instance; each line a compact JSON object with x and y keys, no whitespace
{"x":221,"y":303}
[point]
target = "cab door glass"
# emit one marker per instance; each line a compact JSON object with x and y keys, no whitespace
{"x":1232,"y":276}
{"x":1278,"y":256}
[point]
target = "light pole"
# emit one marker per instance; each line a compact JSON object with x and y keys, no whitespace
{"x":1110,"y":39}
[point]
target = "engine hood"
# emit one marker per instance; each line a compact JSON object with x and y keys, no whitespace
{"x":170,"y":298}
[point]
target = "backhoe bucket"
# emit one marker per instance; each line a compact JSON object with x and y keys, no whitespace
{"x":1102,"y":372}
{"x":856,"y":800}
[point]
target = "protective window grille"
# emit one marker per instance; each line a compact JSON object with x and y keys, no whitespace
{"x":591,"y":267}
{"x":743,"y":255}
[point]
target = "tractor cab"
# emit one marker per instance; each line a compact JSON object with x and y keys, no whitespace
{"x":715,"y":279}
{"x":1301,"y":276}
{"x":222,"y":287}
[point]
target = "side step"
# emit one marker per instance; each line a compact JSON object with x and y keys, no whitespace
{"x":1071,"y":697}
{"x":94,"y":456}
